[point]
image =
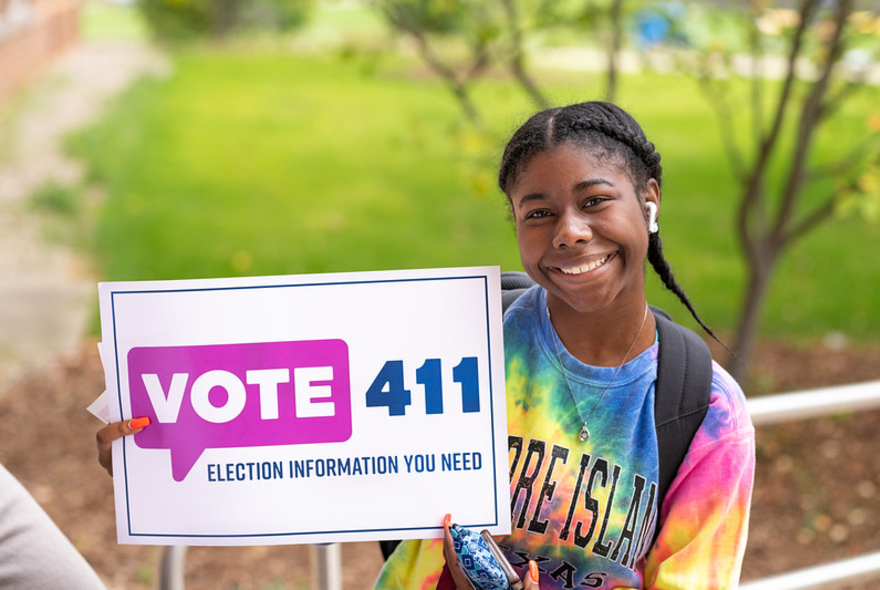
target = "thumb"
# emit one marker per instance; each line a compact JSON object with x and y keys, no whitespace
{"x":105,"y":437}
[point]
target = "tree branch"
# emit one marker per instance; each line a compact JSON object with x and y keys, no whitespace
{"x":757,"y":81}
{"x":850,"y":86}
{"x":753,"y":201}
{"x":810,"y":116}
{"x":857,"y":152}
{"x":516,"y":62}
{"x":808,"y":223}
{"x":615,"y":11}
{"x":808,"y":7}
{"x":399,"y":18}
{"x":719,"y":103}
{"x":479,"y":62}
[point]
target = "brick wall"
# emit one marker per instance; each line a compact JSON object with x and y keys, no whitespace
{"x":32,"y":33}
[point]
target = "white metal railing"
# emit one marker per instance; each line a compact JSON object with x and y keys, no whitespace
{"x":173,"y":561}
{"x":802,"y":405}
{"x":327,"y":567}
{"x":771,"y":409}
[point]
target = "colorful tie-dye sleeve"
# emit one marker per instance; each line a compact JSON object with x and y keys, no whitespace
{"x":414,"y":565}
{"x":704,"y":518}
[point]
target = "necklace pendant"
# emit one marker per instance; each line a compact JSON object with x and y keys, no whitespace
{"x":585,"y":433}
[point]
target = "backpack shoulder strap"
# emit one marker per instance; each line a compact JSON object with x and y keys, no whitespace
{"x":513,"y":284}
{"x":684,"y":381}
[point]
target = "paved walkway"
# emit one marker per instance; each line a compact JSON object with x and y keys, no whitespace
{"x":47,"y":291}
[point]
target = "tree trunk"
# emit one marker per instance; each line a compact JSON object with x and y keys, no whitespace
{"x":766,"y":227}
{"x":463,"y":97}
{"x":614,"y":45}
{"x":759,"y":274}
{"x":528,"y":84}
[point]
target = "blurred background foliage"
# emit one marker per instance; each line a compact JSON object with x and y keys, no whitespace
{"x":322,"y":135}
{"x":173,"y":21}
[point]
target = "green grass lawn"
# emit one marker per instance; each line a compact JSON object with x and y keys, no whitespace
{"x":248,"y":162}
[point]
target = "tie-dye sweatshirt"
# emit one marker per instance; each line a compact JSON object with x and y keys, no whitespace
{"x":586,"y":511}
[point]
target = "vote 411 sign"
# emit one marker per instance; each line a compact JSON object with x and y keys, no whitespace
{"x":308,"y":408}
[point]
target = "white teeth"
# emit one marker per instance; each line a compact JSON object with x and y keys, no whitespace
{"x":577,"y":270}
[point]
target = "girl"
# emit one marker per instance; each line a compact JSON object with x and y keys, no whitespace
{"x":583,"y":185}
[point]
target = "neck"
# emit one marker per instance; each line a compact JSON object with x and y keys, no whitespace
{"x":603,"y":338}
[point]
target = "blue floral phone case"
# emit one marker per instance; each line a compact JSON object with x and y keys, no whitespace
{"x":482,"y":561}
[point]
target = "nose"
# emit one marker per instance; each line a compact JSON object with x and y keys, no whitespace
{"x":571,"y":228}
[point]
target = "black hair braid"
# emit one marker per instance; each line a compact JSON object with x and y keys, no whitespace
{"x":621,"y":127}
{"x":528,"y":141}
{"x":608,"y":130}
{"x":664,"y":271}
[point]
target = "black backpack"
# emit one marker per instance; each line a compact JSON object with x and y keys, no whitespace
{"x":684,"y":380}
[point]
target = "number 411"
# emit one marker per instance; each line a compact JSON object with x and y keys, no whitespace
{"x":388,"y":389}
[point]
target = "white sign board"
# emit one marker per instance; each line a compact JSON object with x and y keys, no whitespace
{"x":308,"y":408}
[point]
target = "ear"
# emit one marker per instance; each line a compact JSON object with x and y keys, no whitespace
{"x":651,"y":205}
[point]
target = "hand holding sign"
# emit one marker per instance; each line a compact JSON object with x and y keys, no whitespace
{"x":113,"y":431}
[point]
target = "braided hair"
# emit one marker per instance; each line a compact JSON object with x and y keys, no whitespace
{"x":610,"y":134}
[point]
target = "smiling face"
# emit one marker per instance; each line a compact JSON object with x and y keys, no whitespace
{"x":582,"y":229}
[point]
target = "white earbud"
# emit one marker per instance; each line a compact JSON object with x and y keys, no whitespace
{"x":652,"y":218}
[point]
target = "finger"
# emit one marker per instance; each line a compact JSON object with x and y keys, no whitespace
{"x":106,"y":436}
{"x":458,"y":576}
{"x":448,"y":550}
{"x":531,"y":580}
{"x":119,"y":429}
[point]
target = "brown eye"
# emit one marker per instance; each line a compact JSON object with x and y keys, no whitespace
{"x":537,"y":214}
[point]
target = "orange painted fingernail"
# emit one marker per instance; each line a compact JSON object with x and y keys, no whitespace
{"x":533,"y":570}
{"x":137,"y":423}
{"x":446,"y":520}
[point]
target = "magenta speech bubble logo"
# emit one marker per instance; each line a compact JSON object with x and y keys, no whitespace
{"x":239,"y":395}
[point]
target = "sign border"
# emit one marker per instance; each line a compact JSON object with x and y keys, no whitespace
{"x":113,"y":294}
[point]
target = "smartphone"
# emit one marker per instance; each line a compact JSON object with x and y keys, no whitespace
{"x":482,"y":561}
{"x":512,"y":577}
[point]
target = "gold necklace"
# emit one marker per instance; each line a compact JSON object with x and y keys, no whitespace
{"x":584,"y":434}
